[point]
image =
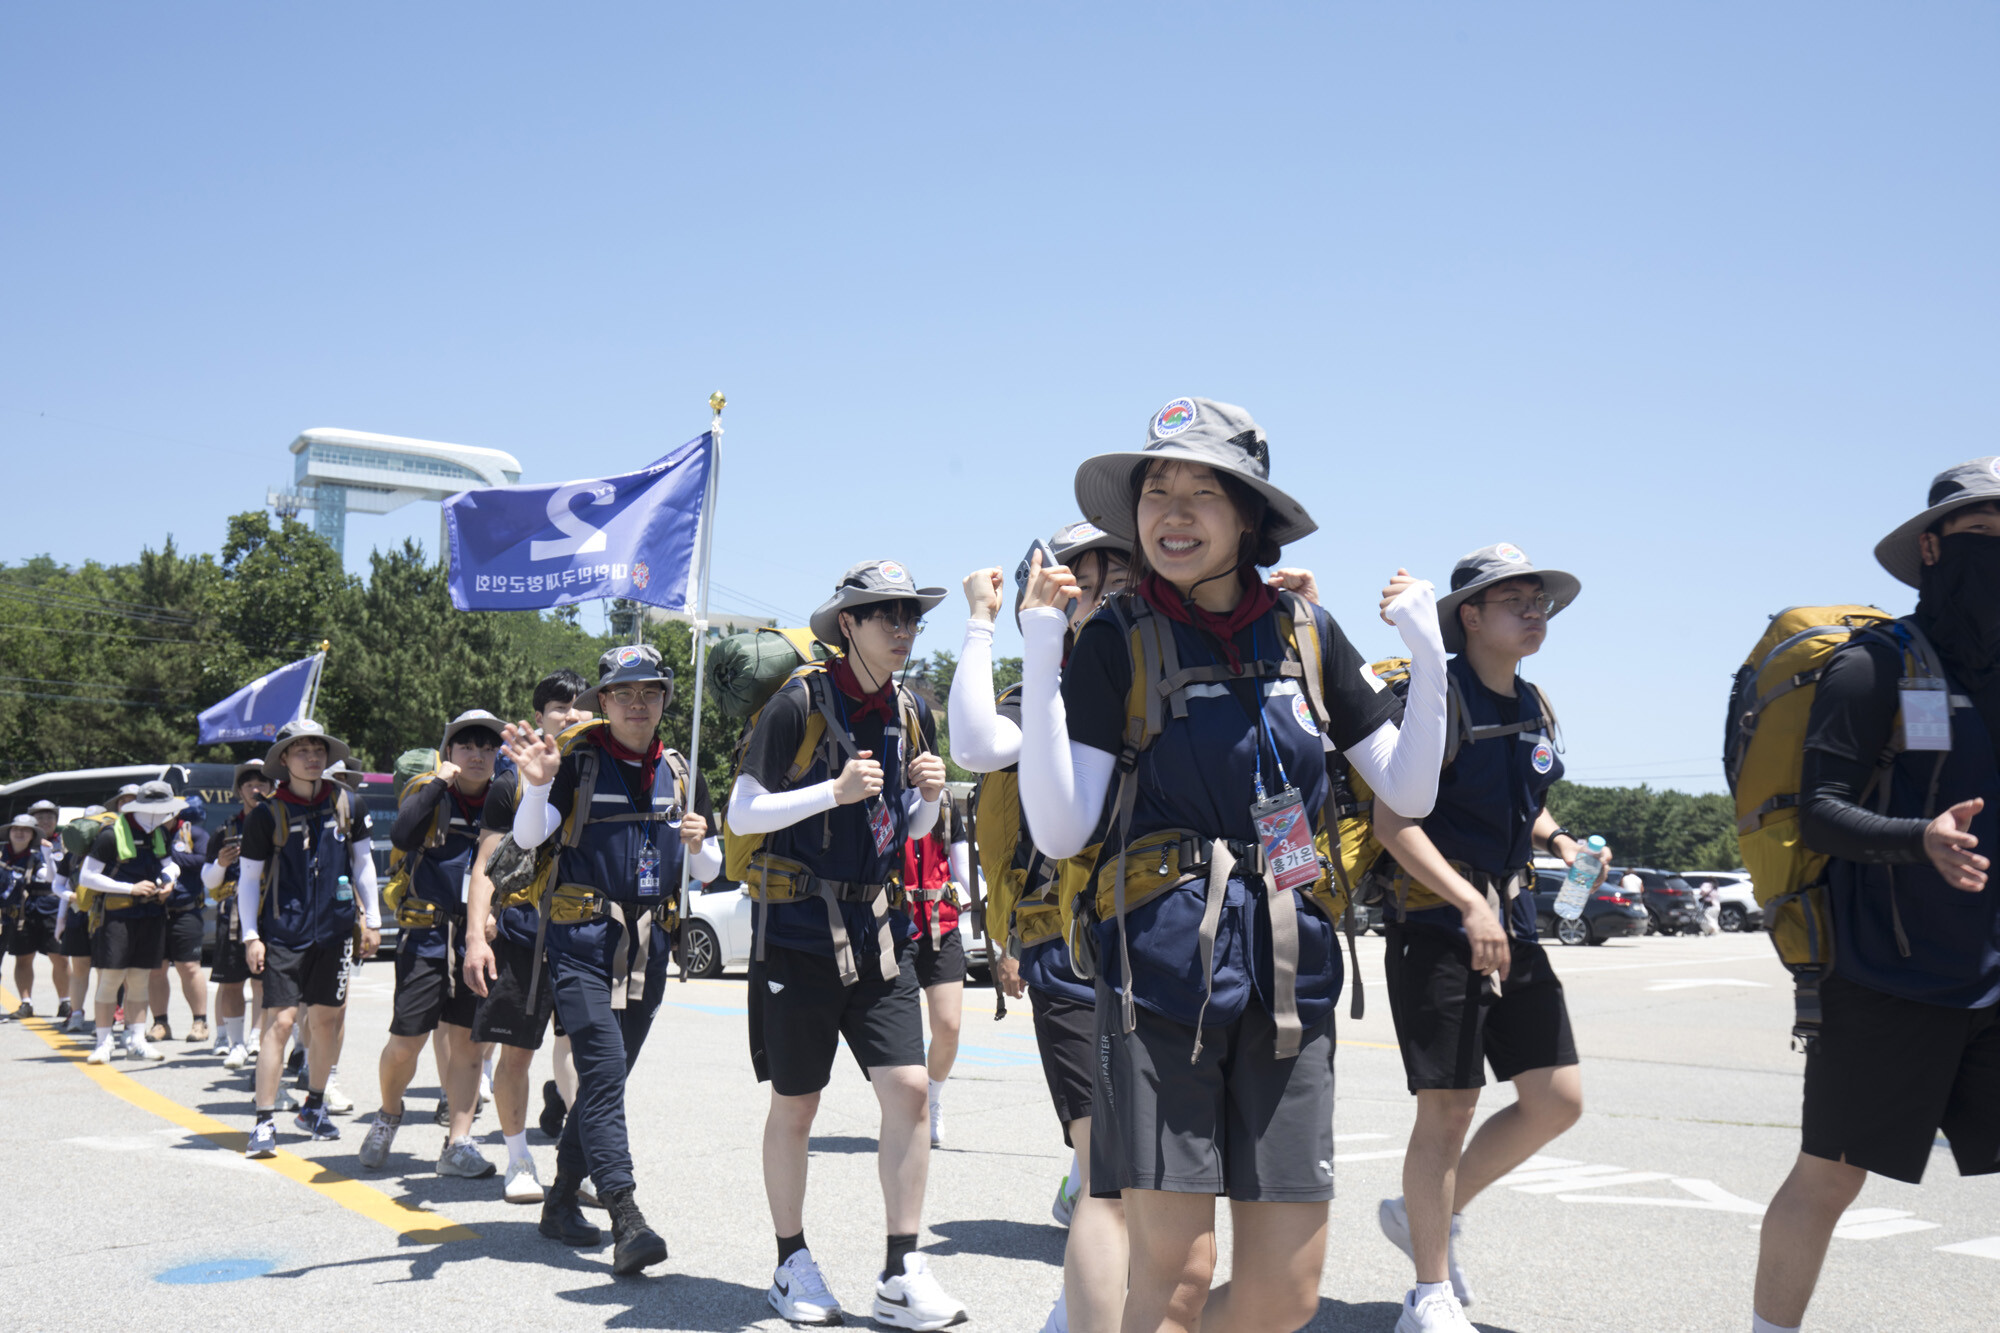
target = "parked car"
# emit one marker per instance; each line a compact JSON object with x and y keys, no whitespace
{"x":718,"y":934}
{"x":1671,"y":905}
{"x":1607,"y":914}
{"x":1739,"y":900}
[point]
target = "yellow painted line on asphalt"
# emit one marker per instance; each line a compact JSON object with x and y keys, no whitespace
{"x":416,"y":1224}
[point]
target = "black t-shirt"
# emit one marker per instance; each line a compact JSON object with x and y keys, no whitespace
{"x":260,"y":830}
{"x":781,"y":729}
{"x":1099,"y":676}
{"x":502,"y":799}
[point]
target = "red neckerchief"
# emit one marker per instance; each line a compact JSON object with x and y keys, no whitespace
{"x":880,"y":703}
{"x":290,"y":797}
{"x":602,"y":738}
{"x":1258,"y":598}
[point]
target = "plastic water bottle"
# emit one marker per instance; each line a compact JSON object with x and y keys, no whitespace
{"x":1581,"y":879}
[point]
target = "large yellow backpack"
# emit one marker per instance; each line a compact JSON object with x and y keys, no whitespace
{"x":1021,"y":885}
{"x":1763,"y":758}
{"x":1365,"y":863}
{"x":402,"y":864}
{"x":768,"y":877}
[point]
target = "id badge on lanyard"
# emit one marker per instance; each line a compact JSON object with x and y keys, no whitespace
{"x":1285,"y":834}
{"x":649,"y":866}
{"x":1926,"y":705}
{"x":882,"y":824}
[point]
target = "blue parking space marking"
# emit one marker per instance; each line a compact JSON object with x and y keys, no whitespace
{"x":993,"y":1055}
{"x":215,"y":1270}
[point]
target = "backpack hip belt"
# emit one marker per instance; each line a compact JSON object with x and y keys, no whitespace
{"x":102,"y":903}
{"x":576,"y":904}
{"x":947,"y":894}
{"x":423,"y":914}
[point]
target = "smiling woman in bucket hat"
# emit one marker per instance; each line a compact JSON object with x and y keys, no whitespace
{"x":1226,"y":785}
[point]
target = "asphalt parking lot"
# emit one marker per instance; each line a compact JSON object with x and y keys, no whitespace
{"x":129,"y":1201}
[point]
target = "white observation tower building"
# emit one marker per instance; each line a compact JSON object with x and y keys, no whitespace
{"x":342,"y":470}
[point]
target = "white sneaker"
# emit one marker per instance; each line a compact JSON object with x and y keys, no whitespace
{"x":250,"y":1045}
{"x":799,"y":1294}
{"x":937,"y":1123}
{"x":522,"y":1184}
{"x":106,"y":1052}
{"x":140,"y":1048}
{"x":1064,"y":1208}
{"x":1438,"y":1312}
{"x":336,"y":1101}
{"x":78,"y":1024}
{"x":236,"y":1058}
{"x":1394,"y":1220}
{"x":913,"y":1299}
{"x":1058,"y":1320}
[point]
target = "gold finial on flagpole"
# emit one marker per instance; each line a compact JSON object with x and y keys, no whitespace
{"x":716,"y":402}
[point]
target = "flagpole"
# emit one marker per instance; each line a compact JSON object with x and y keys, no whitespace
{"x":716,"y":402}
{"x":319,"y":669}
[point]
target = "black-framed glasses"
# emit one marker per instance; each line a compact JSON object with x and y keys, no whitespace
{"x":905,"y":622}
{"x":1519,"y":605}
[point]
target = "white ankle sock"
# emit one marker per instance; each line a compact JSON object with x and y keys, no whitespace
{"x":232,"y":1031}
{"x":1430,"y":1289}
{"x":517,"y":1147}
{"x":1074,"y":1168}
{"x":937,"y":1088}
{"x":103,"y":1036}
{"x":1759,"y":1324}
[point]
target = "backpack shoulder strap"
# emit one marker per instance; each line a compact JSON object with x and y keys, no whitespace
{"x":1305,"y":641}
{"x":819,"y":696}
{"x":677,"y":765}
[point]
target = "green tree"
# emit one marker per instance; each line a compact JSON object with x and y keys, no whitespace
{"x":1670,"y":830}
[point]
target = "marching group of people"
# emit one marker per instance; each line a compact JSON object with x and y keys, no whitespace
{"x":1195,"y":779}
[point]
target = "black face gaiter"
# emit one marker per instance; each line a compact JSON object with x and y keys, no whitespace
{"x":1959,"y":607}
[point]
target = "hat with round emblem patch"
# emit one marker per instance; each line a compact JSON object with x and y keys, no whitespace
{"x":629,"y":664}
{"x":1955,"y":488}
{"x":869,"y":582}
{"x":1490,"y":565}
{"x":1201,"y":431}
{"x":292,"y":733}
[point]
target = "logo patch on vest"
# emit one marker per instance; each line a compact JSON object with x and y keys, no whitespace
{"x":1511,"y":553}
{"x":1174,"y":418}
{"x":1304,"y":713}
{"x":893,"y":572}
{"x":1544,"y":758}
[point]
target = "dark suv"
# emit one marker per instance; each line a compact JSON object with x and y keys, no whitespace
{"x":1607,"y":914}
{"x":1671,"y":905}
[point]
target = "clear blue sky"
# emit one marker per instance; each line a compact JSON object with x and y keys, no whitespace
{"x":1689,"y":299}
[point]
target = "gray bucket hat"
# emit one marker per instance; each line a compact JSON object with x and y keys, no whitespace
{"x":1193,"y":430}
{"x":867,"y":583}
{"x":634,"y":663}
{"x":47,"y":805}
{"x":1955,"y":488}
{"x":303,"y":729}
{"x":156,"y":798}
{"x":129,"y":791}
{"x":248,"y":769}
{"x":1082,"y":537}
{"x":472,"y":717}
{"x":26,"y":822}
{"x":350,"y":778}
{"x":1490,"y":565}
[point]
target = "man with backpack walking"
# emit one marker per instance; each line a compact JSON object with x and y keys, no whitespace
{"x":1899,"y":799}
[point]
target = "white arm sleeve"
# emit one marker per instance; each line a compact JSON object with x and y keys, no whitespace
{"x":1062,"y":785}
{"x":361,"y":868}
{"x":752,"y":809}
{"x":249,"y":879}
{"x":1402,"y":763}
{"x":211,"y":875}
{"x":534,"y":817}
{"x":91,"y":875}
{"x":921,"y":814}
{"x":981,"y":740}
{"x":706,"y":864}
{"x":961,"y":864}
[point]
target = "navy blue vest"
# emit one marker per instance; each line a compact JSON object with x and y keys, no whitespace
{"x":1954,"y":936}
{"x":611,"y":857}
{"x":437,"y":875}
{"x":301,"y":901}
{"x":145,"y":864}
{"x":1200,"y":774}
{"x":33,"y":874}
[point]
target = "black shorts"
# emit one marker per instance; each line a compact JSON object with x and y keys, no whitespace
{"x":429,"y":991}
{"x":505,"y":1015}
{"x":1237,"y":1120}
{"x":34,"y":933}
{"x":799,"y":1011}
{"x":942,"y":965}
{"x":231,"y":967}
{"x":1451,"y":1025}
{"x":316,"y":974}
{"x":133,"y":942}
{"x":184,"y":937}
{"x":74,"y":940}
{"x":1066,"y":1032}
{"x":1887,"y":1075}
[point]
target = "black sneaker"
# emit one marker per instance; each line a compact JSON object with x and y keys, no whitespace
{"x":62,"y":1010}
{"x":443,"y":1116}
{"x":296,"y":1061}
{"x":553,"y":1111}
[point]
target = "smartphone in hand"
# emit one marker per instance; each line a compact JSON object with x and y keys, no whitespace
{"x":1027,"y":565}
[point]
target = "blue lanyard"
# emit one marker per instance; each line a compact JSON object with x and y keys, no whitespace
{"x":1265,"y":723}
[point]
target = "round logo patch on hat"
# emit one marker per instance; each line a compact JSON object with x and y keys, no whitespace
{"x":1544,"y":758}
{"x":1085,"y":531}
{"x":893,"y":572}
{"x":1174,"y":418}
{"x":1511,"y":553}
{"x":1302,"y":711}
{"x":629,"y":654}
{"x":1994,"y":467}
{"x":641,"y":575}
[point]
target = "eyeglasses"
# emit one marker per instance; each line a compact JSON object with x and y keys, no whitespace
{"x":908,"y":622}
{"x":627,"y":695}
{"x":1519,"y":605}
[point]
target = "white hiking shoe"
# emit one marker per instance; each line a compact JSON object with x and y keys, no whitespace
{"x":236,"y":1058}
{"x":336,"y":1101}
{"x":1395,"y":1223}
{"x":522,"y":1184}
{"x":375,"y":1148}
{"x":798,"y":1292}
{"x":913,"y":1299}
{"x":1064,"y":1208}
{"x":140,"y":1049}
{"x":1438,"y":1312}
{"x":105,"y":1052}
{"x":1058,"y":1320}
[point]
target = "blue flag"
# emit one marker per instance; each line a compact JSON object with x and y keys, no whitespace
{"x":517,"y":548}
{"x":256,"y":711}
